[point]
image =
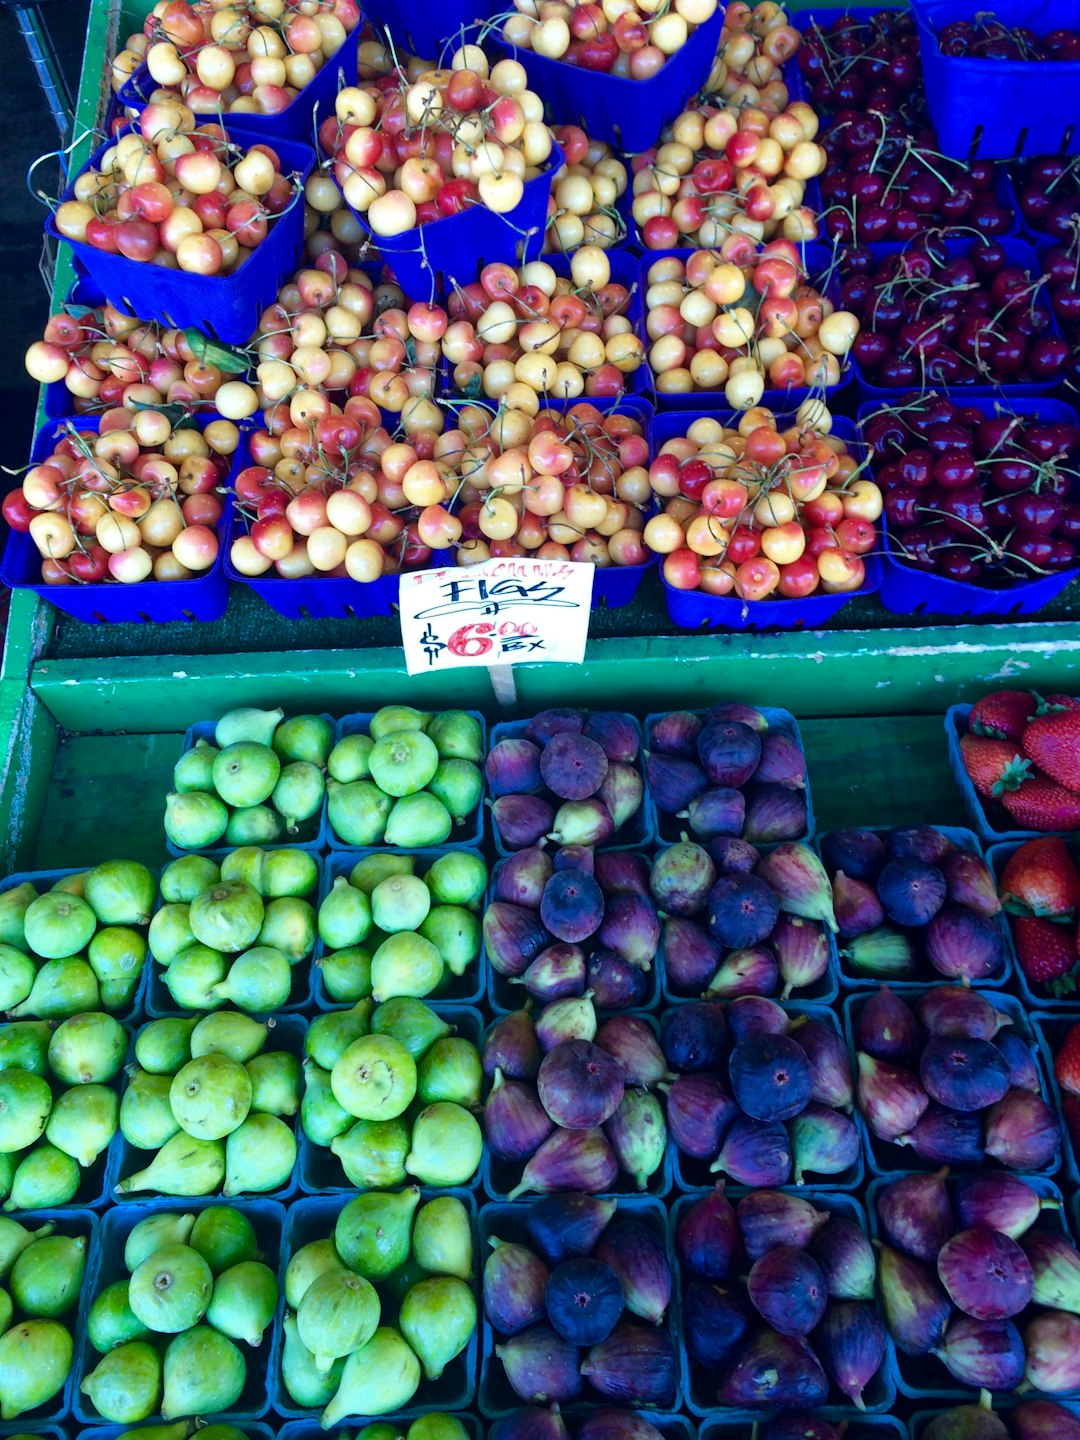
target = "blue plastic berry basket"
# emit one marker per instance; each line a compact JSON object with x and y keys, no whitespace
{"x":314,"y":1217}
{"x":908,"y":591}
{"x":286,"y":1033}
{"x":253,"y":1430}
{"x":1050,"y":1032}
{"x":206,"y":597}
{"x":471,"y":833}
{"x":699,"y":1382}
{"x":268,"y":1219}
{"x":428,"y":26}
{"x":997,"y":858}
{"x":227,"y":305}
{"x":984,"y":816}
{"x":467,"y":989}
{"x":849,"y":980}
{"x":506,"y":1221}
{"x":999,"y":109}
{"x":320,"y":1170}
{"x":636,"y":834}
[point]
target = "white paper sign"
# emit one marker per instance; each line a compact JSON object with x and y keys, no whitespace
{"x":502,"y":612}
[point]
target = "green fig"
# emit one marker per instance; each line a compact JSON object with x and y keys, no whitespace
{"x":195,"y":768}
{"x":299,"y":793}
{"x":398,"y":717}
{"x":17,"y":972}
{"x":346,"y":974}
{"x":191,"y":977}
{"x":7,"y":1311}
{"x":183,"y":879}
{"x":358,"y":812}
{"x":338,"y":1314}
{"x":227,"y":917}
{"x":112,"y":1321}
{"x":403,"y":762}
{"x":183,"y":1166}
{"x":246,"y":863}
{"x":373,"y":1232}
{"x":417,"y":821}
{"x":443,"y":1238}
{"x":46,"y":1278}
{"x":247,"y":724}
{"x":180,"y":1430}
{"x":458,"y":878}
{"x":35,"y":1360}
{"x":245,"y":773}
{"x":437,"y":1426}
{"x":171,"y":1289}
{"x":369,"y":873}
{"x":447,"y":1145}
{"x":396,"y":1286}
{"x":411,"y":1023}
{"x":244,"y":1300}
{"x":372,"y":1152}
{"x":259,"y":980}
{"x":9,"y":1164}
{"x":237,"y":1036}
{"x":61,"y":988}
{"x":459,"y":787}
{"x":83,"y":1121}
{"x":455,"y":932}
{"x":305,"y":737}
{"x":146,"y":1117}
{"x":164,"y":1045}
{"x":116,"y":995}
{"x":121,"y":892}
{"x":458,"y":735}
{"x":289,"y":926}
{"x":59,"y":925}
{"x":24,"y":1045}
{"x":157,"y":1230}
{"x":306,"y":1265}
{"x":400,"y":902}
{"x":330,"y":1035}
{"x":275,"y":1083}
{"x":374,"y":1078}
{"x":220,"y":1432}
{"x":224,"y":1237}
{"x":254,"y":825}
{"x":14,"y":1238}
{"x":289,"y":872}
{"x":382,"y":1377}
{"x":125,"y":1385}
{"x":117,"y":953}
{"x":210,"y":1097}
{"x":194,"y":820}
{"x":344,"y":916}
{"x":204,"y":1373}
{"x":450,"y":1070}
{"x":306,"y":1386}
{"x":438,"y":1319}
{"x":25,"y":1104}
{"x":259,"y":1156}
{"x":44,"y":1178}
{"x":87,"y":1049}
{"x":14,"y":904}
{"x":170,"y":932}
{"x":321,"y":1117}
{"x":381,"y":1430}
{"x":348,"y":760}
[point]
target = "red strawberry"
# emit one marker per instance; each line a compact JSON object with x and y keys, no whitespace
{"x":1046,"y":953}
{"x":1070,"y":1108}
{"x":986,"y":760}
{"x":1067,"y":1063}
{"x":1052,"y":742}
{"x":1002,"y":715}
{"x":1039,"y":804}
{"x":1041,"y":879}
{"x":1056,"y":702}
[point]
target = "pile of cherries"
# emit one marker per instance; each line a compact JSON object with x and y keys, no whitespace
{"x":987,"y":39}
{"x":977,"y":497}
{"x":1061,"y":265}
{"x":861,"y":65}
{"x":1048,"y":190}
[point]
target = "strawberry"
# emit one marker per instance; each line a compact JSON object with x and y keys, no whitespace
{"x":985,"y":761}
{"x":1056,"y":702}
{"x":1041,"y":879}
{"x":1001,"y":715}
{"x":1040,"y":804}
{"x":1067,"y":1063}
{"x":1052,"y":742}
{"x":1046,"y":953}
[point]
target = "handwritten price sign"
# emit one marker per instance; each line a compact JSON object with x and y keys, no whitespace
{"x":498,"y":613}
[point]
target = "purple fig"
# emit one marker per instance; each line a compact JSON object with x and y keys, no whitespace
{"x":570,"y":1160}
{"x":673,"y":781}
{"x":771,"y":1077}
{"x":969,"y":881}
{"x":1043,"y":1420}
{"x":752,"y":971}
{"x":774,"y":812}
{"x":883,"y":954}
{"x":787,"y":1289}
{"x":798,"y":879}
{"x":1022,"y":1131}
{"x":967,"y":1422}
{"x":823,"y":1142}
{"x":755,"y":1153}
{"x":691,"y":959}
{"x":582,"y":822}
{"x":639,"y":1258}
{"x":707,"y":1236}
{"x":615,"y":984}
{"x":1019,"y":1057}
{"x":771,"y":1219}
{"x":621,"y":872}
{"x":1001,"y":1201}
{"x":916,"y":1214}
{"x":584,"y":1301}
{"x":1052,"y":1342}
{"x":617,"y":735}
{"x":514,"y":1280}
{"x":613,"y":1424}
{"x":676,"y":733}
{"x":856,"y":906}
{"x":699,"y":1111}
{"x":694,"y":1036}
{"x":719,"y":810}
{"x":580,"y":1085}
{"x":886,"y":1028}
{"x":782,"y":760}
{"x":948,"y":1010}
{"x":635,"y":1365}
{"x":541,"y":1366}
{"x":622,"y":792}
{"x":920,"y":842}
{"x":732,"y":856}
{"x":987,"y":1275}
{"x":800,"y":1427}
{"x":890,"y":1098}
{"x":513,"y":937}
{"x":729,"y":710}
{"x":830,"y":1069}
{"x":715,"y":1320}
{"x":916,"y":1306}
{"x":631,"y":927}
{"x":986,"y":1354}
{"x":556,"y":973}
{"x":802,"y":952}
{"x":964,"y":945}
{"x":532,"y":1423}
{"x":512,"y":767}
{"x":749,"y":1015}
{"x":775,"y":1372}
{"x":512,"y":1047}
{"x":963,"y":1074}
{"x":1055,"y":1267}
{"x":851,"y":1343}
{"x":946,"y":1137}
{"x":572,"y":906}
{"x":562,"y":1020}
{"x":638,"y":1135}
{"x":520,"y":878}
{"x":682,"y":876}
{"x":548,"y":723}
{"x":859,"y":853}
{"x":568,"y":1225}
{"x":575,"y":857}
{"x":742,"y":911}
{"x":522,"y":820}
{"x":630,"y":1041}
{"x":911,"y":891}
{"x":846,"y":1258}
{"x":515,"y":1123}
{"x":729,"y":751}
